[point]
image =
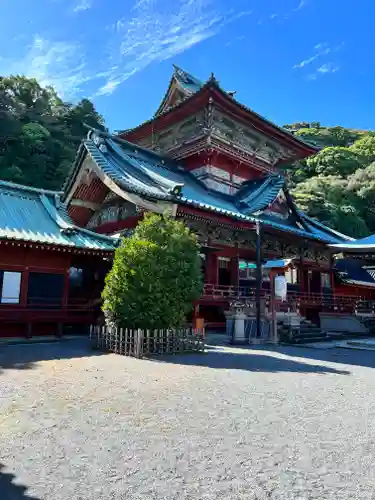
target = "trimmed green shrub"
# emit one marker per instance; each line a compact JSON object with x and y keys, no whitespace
{"x":156,"y":276}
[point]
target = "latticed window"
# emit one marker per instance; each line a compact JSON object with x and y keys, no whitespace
{"x":248,"y":271}
{"x":325,"y":280}
{"x":291,"y":276}
{"x":224,"y":262}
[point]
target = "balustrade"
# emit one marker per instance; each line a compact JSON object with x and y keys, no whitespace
{"x":296,"y":300}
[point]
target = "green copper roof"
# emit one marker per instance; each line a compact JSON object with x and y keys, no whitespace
{"x":36,"y":215}
{"x":186,"y":80}
{"x":138,"y":170}
{"x":192,"y":86}
{"x":258,"y":194}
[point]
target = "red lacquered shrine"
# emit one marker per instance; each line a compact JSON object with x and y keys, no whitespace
{"x":219,"y":166}
{"x":51,"y":271}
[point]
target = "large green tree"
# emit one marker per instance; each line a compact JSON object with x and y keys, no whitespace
{"x":337,"y":185}
{"x":365,"y":147}
{"x":329,"y":200}
{"x":334,"y":161}
{"x":39,"y":133}
{"x":327,"y":136}
{"x":156,"y":276}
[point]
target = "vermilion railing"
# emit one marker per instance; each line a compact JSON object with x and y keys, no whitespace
{"x":44,"y":310}
{"x":295,"y":299}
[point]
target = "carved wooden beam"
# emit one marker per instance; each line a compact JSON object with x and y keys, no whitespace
{"x":76,"y":202}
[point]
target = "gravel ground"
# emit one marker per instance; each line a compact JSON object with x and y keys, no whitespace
{"x":286,"y":423}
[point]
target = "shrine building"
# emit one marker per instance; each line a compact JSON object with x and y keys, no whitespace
{"x":51,"y":271}
{"x":218,"y":166}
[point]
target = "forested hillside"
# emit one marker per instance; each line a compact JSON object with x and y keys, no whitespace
{"x":39,"y":133}
{"x":337,"y":185}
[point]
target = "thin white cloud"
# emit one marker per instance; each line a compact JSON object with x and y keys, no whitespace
{"x":306,"y":62}
{"x":338,"y":47}
{"x":328,"y":68}
{"x":153,"y":31}
{"x":58,"y":64}
{"x":82,"y":5}
{"x":322,"y":50}
{"x":301,"y":5}
{"x":320,"y":46}
{"x":157,"y":32}
{"x":324,"y":69}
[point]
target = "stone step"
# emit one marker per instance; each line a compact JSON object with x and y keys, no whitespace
{"x":307,"y":340}
{"x":312,"y":329}
{"x":306,"y":334}
{"x":315,"y":331}
{"x":303,"y":331}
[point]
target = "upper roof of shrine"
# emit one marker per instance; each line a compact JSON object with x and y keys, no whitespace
{"x":183,"y":84}
{"x":122,"y":165}
{"x":185,"y":89}
{"x":37,"y":216}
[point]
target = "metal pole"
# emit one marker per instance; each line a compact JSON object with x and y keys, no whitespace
{"x":273,"y":310}
{"x":258,"y":278}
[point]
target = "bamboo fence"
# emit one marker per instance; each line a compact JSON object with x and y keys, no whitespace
{"x":139,"y":343}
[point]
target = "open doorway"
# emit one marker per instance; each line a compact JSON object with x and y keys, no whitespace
{"x":224,"y":272}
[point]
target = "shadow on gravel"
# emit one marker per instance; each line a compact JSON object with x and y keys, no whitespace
{"x":248,"y":361}
{"x":25,"y":356}
{"x":11,"y":491}
{"x":335,"y":355}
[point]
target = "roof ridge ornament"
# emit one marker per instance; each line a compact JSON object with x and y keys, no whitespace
{"x":176,"y":190}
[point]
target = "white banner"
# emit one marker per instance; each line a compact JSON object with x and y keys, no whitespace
{"x":280,"y":287}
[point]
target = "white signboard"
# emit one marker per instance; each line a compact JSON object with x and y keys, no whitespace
{"x":10,"y":294}
{"x":280,"y":288}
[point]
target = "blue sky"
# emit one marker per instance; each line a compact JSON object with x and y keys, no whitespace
{"x":289,"y":60}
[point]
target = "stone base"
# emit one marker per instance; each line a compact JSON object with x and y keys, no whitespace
{"x":255,"y":341}
{"x":235,"y":341}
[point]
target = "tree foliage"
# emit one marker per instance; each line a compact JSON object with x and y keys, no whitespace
{"x":156,"y":276}
{"x":365,"y":147}
{"x":334,"y":161}
{"x":329,"y":200}
{"x":39,"y":133}
{"x":337,"y":185}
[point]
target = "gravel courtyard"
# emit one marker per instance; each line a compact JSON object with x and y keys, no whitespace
{"x":286,"y":423}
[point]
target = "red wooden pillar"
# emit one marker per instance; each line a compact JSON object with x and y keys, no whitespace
{"x":211,"y":276}
{"x":65,"y":296}
{"x":234,"y":270}
{"x":23,"y":301}
{"x":24,"y":287}
{"x":301,"y":308}
{"x":64,"y":302}
{"x":301,"y":275}
{"x":195,"y":314}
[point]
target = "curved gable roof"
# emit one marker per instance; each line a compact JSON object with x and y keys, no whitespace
{"x":192,"y":88}
{"x":144,"y":172}
{"x":36,"y":215}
